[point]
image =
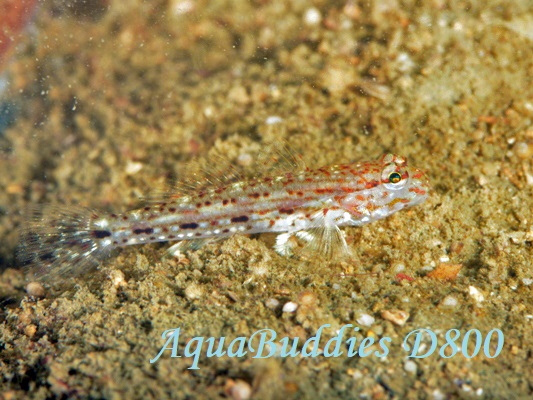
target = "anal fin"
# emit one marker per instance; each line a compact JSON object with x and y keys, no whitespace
{"x":187,"y":245}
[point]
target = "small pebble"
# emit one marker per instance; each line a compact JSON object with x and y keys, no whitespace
{"x":466,"y":388}
{"x":209,"y":111}
{"x":133,"y":167}
{"x":398,"y":267}
{"x":118,"y":279}
{"x":365,"y":320}
{"x":355,"y":373}
{"x":476,"y":294}
{"x":170,"y":333}
{"x":438,"y":395}
{"x":405,"y":62}
{"x":529,"y":177}
{"x":450,"y":301}
{"x":14,"y":188}
{"x":272,"y":303}
{"x":307,"y":298}
{"x":35,"y":289}
{"x":523,"y":150}
{"x":181,"y":7}
{"x":30,"y":330}
{"x":410,"y":366}
{"x":273,"y":119}
{"x":482,"y":180}
{"x":238,"y":390}
{"x":290,"y":307}
{"x":245,"y":160}
{"x":445,"y":272}
{"x":193,"y":291}
{"x":477,"y":134}
{"x":312,"y":17}
{"x":377,"y":330}
{"x":351,"y":10}
{"x":397,"y":317}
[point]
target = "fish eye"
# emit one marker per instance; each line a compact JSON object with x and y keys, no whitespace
{"x":395,"y":177}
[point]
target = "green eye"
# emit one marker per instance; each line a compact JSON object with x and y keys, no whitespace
{"x":395,"y":177}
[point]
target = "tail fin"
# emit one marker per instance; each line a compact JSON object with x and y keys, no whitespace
{"x":60,"y":242}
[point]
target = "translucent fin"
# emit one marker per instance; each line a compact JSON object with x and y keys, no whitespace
{"x":272,"y":160}
{"x":327,"y":241}
{"x":187,"y":245}
{"x":325,"y":238}
{"x":279,"y":158}
{"x":217,"y":172}
{"x":57,"y":243}
{"x":284,"y":245}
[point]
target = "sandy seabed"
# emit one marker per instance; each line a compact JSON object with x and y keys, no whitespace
{"x":114,"y":100}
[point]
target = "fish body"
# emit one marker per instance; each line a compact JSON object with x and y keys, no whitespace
{"x":310,"y":204}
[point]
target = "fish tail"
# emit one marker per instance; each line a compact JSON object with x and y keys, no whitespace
{"x":59,"y":242}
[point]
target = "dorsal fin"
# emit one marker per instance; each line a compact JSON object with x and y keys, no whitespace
{"x":219,"y":171}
